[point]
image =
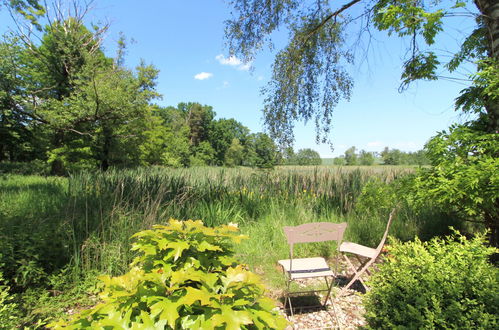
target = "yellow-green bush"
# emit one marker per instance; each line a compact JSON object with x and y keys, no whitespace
{"x":439,"y":284}
{"x":185,"y":277}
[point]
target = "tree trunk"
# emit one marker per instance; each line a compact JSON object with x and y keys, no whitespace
{"x":490,"y":13}
{"x":106,"y":147}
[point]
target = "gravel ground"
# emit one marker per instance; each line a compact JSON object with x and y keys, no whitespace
{"x":345,"y":312}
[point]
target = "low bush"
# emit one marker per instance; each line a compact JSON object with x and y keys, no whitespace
{"x":443,"y":283}
{"x":8,"y":308}
{"x":185,"y":277}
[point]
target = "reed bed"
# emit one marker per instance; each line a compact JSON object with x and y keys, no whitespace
{"x":84,"y":222}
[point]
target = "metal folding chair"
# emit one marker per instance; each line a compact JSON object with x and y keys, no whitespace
{"x":301,"y":268}
{"x":369,"y":254}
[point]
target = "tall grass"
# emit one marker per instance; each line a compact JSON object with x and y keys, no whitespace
{"x":86,"y":221}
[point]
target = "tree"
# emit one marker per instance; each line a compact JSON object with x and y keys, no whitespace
{"x":309,"y":74}
{"x":234,"y":154}
{"x":288,"y":156}
{"x":464,"y":176}
{"x":308,"y":157}
{"x":203,"y":154}
{"x":340,"y":161}
{"x":366,"y":158}
{"x":350,"y":156}
{"x":391,"y":157}
{"x":262,"y":151}
{"x":92,"y":110}
{"x":16,"y":138}
{"x":222,"y":133}
{"x":198,"y":118}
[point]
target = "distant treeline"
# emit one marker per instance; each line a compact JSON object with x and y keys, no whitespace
{"x":386,"y":157}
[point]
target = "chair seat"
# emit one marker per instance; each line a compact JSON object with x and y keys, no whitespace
{"x":306,"y":267}
{"x":358,"y":249}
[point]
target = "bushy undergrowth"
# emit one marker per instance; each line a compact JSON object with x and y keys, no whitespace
{"x":9,"y":313}
{"x":36,"y":167}
{"x":185,"y":277}
{"x":439,"y":284}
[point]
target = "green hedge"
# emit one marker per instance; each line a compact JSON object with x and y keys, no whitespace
{"x":439,"y":284}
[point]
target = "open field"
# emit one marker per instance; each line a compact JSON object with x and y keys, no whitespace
{"x":56,"y":231}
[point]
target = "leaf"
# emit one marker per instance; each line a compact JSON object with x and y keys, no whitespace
{"x":207,"y":246}
{"x":167,"y":310}
{"x":178,"y":248}
{"x":192,"y":295}
{"x":233,"y":319}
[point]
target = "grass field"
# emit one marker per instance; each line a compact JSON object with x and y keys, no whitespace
{"x":56,"y":231}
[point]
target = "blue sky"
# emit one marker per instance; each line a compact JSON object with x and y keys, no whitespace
{"x":185,"y":41}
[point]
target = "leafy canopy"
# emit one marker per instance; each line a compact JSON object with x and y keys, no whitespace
{"x":311,"y":73}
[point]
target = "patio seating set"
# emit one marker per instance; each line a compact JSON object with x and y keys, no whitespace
{"x":317,"y":267}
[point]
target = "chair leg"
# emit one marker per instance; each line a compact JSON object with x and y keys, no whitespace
{"x":355,"y":270}
{"x":288,"y":299}
{"x":329,"y":288}
{"x":357,"y":277}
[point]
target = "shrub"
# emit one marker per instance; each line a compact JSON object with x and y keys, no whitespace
{"x":35,"y":167}
{"x":8,"y":308}
{"x":184,"y":277}
{"x":443,"y":283}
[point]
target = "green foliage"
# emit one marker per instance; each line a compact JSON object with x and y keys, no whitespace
{"x":366,"y":158}
{"x":234,"y":154}
{"x":339,"y":161}
{"x":443,"y":283}
{"x":221,"y":135}
{"x":203,"y":154}
{"x":31,"y":10}
{"x":9,"y":311}
{"x":350,"y":156}
{"x":307,"y":157}
{"x":37,"y":167}
{"x":464,"y":173}
{"x":485,"y":88}
{"x":185,"y":277}
{"x":265,"y":150}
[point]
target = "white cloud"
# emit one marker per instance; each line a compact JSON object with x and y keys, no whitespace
{"x":374,"y":144}
{"x":259,"y":78}
{"x":233,"y":61}
{"x":226,"y":84}
{"x":203,"y":75}
{"x":244,"y":67}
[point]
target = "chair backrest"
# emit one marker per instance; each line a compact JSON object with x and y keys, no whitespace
{"x":314,"y":232}
{"x":385,"y":235}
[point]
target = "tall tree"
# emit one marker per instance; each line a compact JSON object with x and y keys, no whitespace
{"x":222,"y":133}
{"x":198,"y":118}
{"x":235,"y":154}
{"x":351,"y":156}
{"x":366,"y":158}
